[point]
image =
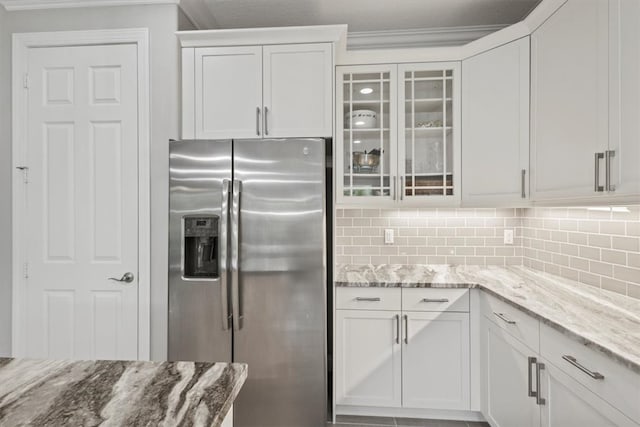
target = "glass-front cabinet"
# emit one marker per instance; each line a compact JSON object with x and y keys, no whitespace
{"x":398,"y":134}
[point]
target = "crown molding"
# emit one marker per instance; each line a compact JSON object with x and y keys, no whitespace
{"x":418,"y":38}
{"x":13,"y":5}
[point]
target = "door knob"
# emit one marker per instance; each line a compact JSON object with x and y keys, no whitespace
{"x":126,"y":278}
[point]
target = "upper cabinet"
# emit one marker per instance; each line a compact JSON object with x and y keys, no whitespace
{"x":585,"y":90}
{"x":258,"y":83}
{"x":495,"y":126}
{"x":398,"y":134}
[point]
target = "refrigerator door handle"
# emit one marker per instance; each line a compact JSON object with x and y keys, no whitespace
{"x":222,"y":248}
{"x":235,"y":254}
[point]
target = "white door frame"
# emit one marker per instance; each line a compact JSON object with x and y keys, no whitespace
{"x":22,"y":42}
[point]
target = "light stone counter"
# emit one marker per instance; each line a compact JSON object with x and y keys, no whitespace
{"x":601,"y":320}
{"x":117,"y":393}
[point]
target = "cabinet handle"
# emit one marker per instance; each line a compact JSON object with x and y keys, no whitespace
{"x":397,"y":316}
{"x":539,"y":399}
{"x":522,"y":183}
{"x":435,"y":300}
{"x":258,"y":121}
{"x":266,"y":120}
{"x":573,"y":361}
{"x":372,"y":299}
{"x":395,"y":188}
{"x":402,"y":188}
{"x":607,"y":176}
{"x":531,"y":361}
{"x":406,"y":329}
{"x":505,"y":318}
{"x":597,"y":187}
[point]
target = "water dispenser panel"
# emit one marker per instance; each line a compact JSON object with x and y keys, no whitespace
{"x":201,"y":247}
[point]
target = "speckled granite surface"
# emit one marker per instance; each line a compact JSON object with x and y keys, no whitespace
{"x":604,"y":321}
{"x":116,"y":393}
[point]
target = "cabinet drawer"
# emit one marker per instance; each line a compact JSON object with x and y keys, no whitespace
{"x":430,"y":299}
{"x":620,"y":386}
{"x":368,"y":299}
{"x":521,"y":326}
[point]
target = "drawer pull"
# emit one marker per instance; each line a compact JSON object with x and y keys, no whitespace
{"x":374,"y":299}
{"x":435,"y":300}
{"x":572,"y":360}
{"x":504,"y":318}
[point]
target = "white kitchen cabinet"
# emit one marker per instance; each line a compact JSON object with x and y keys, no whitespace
{"x":505,"y":368}
{"x":258,"y":82}
{"x":624,"y":136}
{"x":435,"y":360}
{"x":569,"y":403}
{"x":298,"y":90}
{"x":406,"y":119}
{"x":228,"y":92}
{"x":368,"y":358}
{"x":495,"y":126}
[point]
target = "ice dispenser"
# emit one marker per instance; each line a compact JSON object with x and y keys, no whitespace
{"x":201,"y":247}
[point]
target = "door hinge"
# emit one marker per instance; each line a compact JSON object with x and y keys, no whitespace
{"x":25,"y":173}
{"x":25,"y":270}
{"x":25,"y":81}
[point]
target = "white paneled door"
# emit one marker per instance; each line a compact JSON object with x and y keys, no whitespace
{"x":82,"y":203}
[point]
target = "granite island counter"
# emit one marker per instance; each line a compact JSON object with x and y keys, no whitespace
{"x":117,"y":393}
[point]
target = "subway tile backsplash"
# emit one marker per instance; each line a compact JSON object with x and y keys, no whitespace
{"x":597,"y":247}
{"x":594,"y":246}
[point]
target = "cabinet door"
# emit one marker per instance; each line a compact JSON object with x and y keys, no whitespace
{"x":624,"y":138}
{"x":429,"y":133}
{"x":368,"y":362}
{"x":298,"y":90}
{"x":228,"y":92}
{"x":366,"y":145}
{"x":435,"y":360}
{"x":569,"y":100}
{"x":495,"y":125}
{"x":504,"y":367}
{"x":569,"y":403}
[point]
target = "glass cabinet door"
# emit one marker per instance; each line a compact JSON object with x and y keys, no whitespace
{"x":366,"y":132}
{"x":429,"y":149}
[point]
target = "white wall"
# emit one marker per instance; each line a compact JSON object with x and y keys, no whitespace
{"x":162,"y":21}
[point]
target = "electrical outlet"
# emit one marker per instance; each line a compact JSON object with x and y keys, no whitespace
{"x":388,"y":236}
{"x":508,"y":237}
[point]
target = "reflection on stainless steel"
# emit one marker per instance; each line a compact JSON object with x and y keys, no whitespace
{"x":274,"y":293}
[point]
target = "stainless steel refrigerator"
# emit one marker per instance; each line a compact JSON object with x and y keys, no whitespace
{"x":247,"y":270}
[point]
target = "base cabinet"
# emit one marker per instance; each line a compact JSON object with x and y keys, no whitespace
{"x":368,"y":361}
{"x":435,"y":360}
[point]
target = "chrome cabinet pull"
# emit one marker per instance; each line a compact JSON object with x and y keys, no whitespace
{"x":395,"y":188}
{"x":406,"y":329}
{"x":222,"y":249}
{"x":539,"y":399}
{"x":504,"y":318}
{"x":370,"y":299}
{"x":573,"y":361}
{"x":266,"y":121}
{"x":258,"y":121}
{"x":435,"y":299}
{"x":607,"y":176}
{"x":235,"y":254}
{"x":402,"y":183}
{"x":397,"y":317}
{"x":522,"y":183}
{"x":597,"y":187}
{"x":126,"y":278}
{"x":531,"y":361}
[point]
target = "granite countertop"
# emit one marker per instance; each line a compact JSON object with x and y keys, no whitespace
{"x":602,"y":320}
{"x":115,"y":393}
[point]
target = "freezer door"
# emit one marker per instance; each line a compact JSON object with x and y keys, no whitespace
{"x":281,"y":282}
{"x":199,"y":324}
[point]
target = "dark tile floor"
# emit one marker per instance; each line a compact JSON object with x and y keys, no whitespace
{"x":357,"y":421}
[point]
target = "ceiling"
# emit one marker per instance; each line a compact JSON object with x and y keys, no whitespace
{"x":360,"y":15}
